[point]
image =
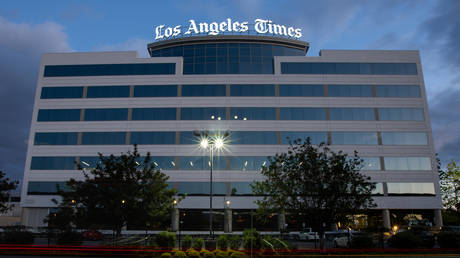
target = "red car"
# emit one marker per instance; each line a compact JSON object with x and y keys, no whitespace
{"x":92,"y":235}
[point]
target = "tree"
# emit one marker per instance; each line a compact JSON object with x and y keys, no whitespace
{"x":5,"y":186}
{"x":450,"y":185}
{"x":321,"y":185}
{"x":120,"y":189}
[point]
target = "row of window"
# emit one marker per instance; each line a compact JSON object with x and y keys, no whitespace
{"x":236,"y":137}
{"x":109,"y":69}
{"x":243,"y":188}
{"x":264,"y":90}
{"x":242,"y":163}
{"x":237,"y":113}
{"x":348,"y":68}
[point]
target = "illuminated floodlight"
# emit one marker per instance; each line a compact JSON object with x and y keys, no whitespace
{"x":204,"y":143}
{"x":219,"y":143}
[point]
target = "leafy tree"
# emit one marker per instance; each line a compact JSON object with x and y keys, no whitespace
{"x":322,"y":185}
{"x":450,"y":185}
{"x":120,"y":189}
{"x":5,"y":186}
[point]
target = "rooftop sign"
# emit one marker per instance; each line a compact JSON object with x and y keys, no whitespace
{"x":228,"y":26}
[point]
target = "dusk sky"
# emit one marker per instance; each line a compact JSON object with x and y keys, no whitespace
{"x":30,"y":28}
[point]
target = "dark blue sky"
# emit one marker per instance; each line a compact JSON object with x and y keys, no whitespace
{"x":30,"y":28}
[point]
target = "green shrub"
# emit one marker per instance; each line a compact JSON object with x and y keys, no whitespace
{"x":206,"y":253}
{"x":405,"y":239}
{"x":165,"y":255}
{"x":238,"y":254}
{"x":234,"y":242}
{"x":197,"y":244}
{"x":187,"y":243}
{"x":166,"y":240}
{"x":449,"y":239}
{"x":252,"y":238}
{"x":193,"y":253}
{"x":17,"y":235}
{"x":222,"y":242}
{"x":180,"y":254}
{"x":69,"y":238}
{"x":279,"y":244}
{"x":362,"y":241}
{"x":220,"y":254}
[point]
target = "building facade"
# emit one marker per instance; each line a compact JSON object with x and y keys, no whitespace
{"x":261,"y":90}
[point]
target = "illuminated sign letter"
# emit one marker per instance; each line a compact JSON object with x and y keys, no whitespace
{"x":261,"y":26}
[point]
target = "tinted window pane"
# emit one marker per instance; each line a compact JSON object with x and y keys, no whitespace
{"x":164,"y":162}
{"x":407,"y":163}
{"x":344,"y":138}
{"x":45,"y":188}
{"x":401,"y":114}
{"x":106,"y":138}
{"x":349,"y":68}
{"x":109,"y":69}
{"x":371,"y":163}
{"x":202,"y":163}
{"x":61,"y":92}
{"x":302,"y":114}
{"x":253,"y":113}
{"x":52,"y":163}
{"x":56,"y":138}
{"x":397,"y":91}
{"x":411,"y":189}
{"x":315,"y":137}
{"x":106,"y":114}
{"x":57,"y":115}
{"x":108,"y":92}
{"x":253,"y":137}
{"x":378,"y":189}
{"x":349,"y":91}
{"x":217,"y":113}
{"x":352,"y":114}
{"x":301,"y":90}
{"x":240,"y":188}
{"x":247,"y":163}
{"x":155,"y":91}
{"x":252,"y":90}
{"x":201,"y":188}
{"x":399,"y":138}
{"x":154,"y":114}
{"x":203,"y":90}
{"x":89,"y":162}
{"x":153,"y":137}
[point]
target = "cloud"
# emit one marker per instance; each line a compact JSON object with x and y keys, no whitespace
{"x":137,"y":44}
{"x":21,"y":46}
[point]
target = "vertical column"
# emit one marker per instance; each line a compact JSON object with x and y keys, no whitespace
{"x":437,"y":218}
{"x":386,"y":219}
{"x":281,"y":221}
{"x":227,"y":220}
{"x":175,"y":219}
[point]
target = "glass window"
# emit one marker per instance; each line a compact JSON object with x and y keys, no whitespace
{"x":349,"y":91}
{"x":201,"y":188}
{"x":61,"y":92}
{"x":371,"y":163}
{"x":400,"y":138}
{"x":244,"y":163}
{"x":366,"y":114}
{"x":252,"y":113}
{"x":401,"y":114}
{"x":58,"y":115}
{"x":241,"y":188}
{"x":411,"y":189}
{"x":52,"y":163}
{"x":45,"y":188}
{"x":315,"y":137}
{"x":397,"y":91}
{"x":360,"y":138}
{"x":109,"y":69}
{"x":89,"y":162}
{"x":407,"y":163}
{"x":202,"y":163}
{"x":106,"y":114}
{"x":260,"y":137}
{"x":108,"y":92}
{"x":378,"y":189}
{"x":203,"y":90}
{"x":209,"y":113}
{"x":154,"y":113}
{"x":188,"y":138}
{"x":56,"y":138}
{"x":302,"y":114}
{"x":301,"y":90}
{"x":155,"y":91}
{"x":153,"y":137}
{"x":164,"y":162}
{"x":262,"y":90}
{"x":348,"y":68}
{"x":103,"y":138}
